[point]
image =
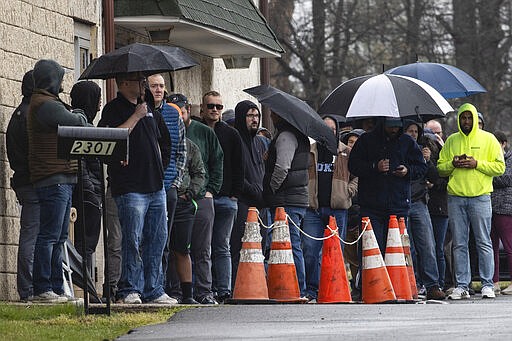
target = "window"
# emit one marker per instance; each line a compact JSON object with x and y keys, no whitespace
{"x":82,"y":48}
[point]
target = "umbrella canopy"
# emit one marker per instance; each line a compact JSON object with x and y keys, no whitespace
{"x":144,"y":58}
{"x":385,"y":96}
{"x":296,"y":112}
{"x":450,"y":81}
{"x":75,"y":264}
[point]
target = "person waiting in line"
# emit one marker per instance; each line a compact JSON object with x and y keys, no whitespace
{"x":225,"y":202}
{"x":471,"y":158}
{"x":53,"y":178}
{"x":16,"y":140}
{"x":181,"y":231}
{"x":211,"y":153}
{"x":419,"y":223}
{"x":247,"y":121}
{"x":331,"y":188}
{"x":86,"y":97}
{"x":501,"y":228}
{"x":386,"y":161}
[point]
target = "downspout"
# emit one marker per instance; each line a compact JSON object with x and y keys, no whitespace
{"x":108,"y":24}
{"x":265,"y":72}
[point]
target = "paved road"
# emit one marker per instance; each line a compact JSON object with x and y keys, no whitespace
{"x":475,"y":319}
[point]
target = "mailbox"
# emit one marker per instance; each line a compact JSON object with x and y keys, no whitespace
{"x":104,"y":144}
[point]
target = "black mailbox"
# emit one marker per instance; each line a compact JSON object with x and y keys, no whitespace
{"x":105,"y":144}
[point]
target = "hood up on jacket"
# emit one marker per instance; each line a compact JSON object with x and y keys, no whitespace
{"x":48,"y":75}
{"x":474,"y":113}
{"x":86,"y":95}
{"x":241,"y":110}
{"x":27,"y":85}
{"x":408,"y":123}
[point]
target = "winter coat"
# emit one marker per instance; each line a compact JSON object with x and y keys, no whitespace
{"x":383,"y":192}
{"x":501,"y":198}
{"x":344,"y":185}
{"x":193,"y":173}
{"x":483,"y":147}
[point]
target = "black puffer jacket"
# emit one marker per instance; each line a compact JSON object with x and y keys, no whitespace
{"x":17,"y":138}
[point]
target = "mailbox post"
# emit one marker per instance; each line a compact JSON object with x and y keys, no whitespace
{"x":103,"y":144}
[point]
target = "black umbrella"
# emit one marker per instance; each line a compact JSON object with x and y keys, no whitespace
{"x":75,"y":264}
{"x":296,"y":112}
{"x":137,"y":57}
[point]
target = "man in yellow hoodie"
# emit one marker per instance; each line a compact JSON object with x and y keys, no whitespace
{"x":471,"y":158}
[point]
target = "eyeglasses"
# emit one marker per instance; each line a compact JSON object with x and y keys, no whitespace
{"x":253,"y":116}
{"x":217,"y":106}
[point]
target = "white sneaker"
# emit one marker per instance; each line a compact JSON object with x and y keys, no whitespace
{"x":488,"y":292}
{"x":164,"y":299}
{"x":49,"y":297}
{"x":132,"y":298}
{"x":459,"y":294}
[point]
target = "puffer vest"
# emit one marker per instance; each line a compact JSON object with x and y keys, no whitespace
{"x":294,"y":189}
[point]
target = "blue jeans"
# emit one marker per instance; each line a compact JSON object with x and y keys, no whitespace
{"x":55,"y":204}
{"x":477,"y":212}
{"x":29,"y":229}
{"x":225,"y":214}
{"x":440,"y":226}
{"x":314,"y":224}
{"x":296,"y":214}
{"x":420,"y":228}
{"x":144,"y":228}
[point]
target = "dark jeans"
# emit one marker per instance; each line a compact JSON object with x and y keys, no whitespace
{"x":55,"y":203}
{"x":172,"y":199}
{"x":501,"y":229}
{"x":440,"y":226}
{"x":29,"y":229}
{"x":114,"y":243}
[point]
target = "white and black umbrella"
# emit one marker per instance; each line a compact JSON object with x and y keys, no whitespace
{"x":385,"y":96}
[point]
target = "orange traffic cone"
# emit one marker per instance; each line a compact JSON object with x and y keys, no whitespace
{"x":251,"y":283}
{"x":395,"y":261}
{"x":333,"y":287}
{"x":406,"y":243}
{"x":376,"y":284}
{"x":283,"y":285}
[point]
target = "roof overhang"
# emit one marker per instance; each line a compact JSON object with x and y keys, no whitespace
{"x":195,"y":37}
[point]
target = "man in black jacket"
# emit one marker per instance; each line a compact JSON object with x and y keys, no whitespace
{"x":137,"y":188}
{"x":17,"y":152}
{"x":225,"y":202}
{"x":247,"y":121}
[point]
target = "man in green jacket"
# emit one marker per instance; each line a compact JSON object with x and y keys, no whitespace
{"x":471,"y":158}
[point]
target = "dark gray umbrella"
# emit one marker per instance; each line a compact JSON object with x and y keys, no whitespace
{"x":137,"y":57}
{"x":75,"y":264}
{"x":296,"y":112}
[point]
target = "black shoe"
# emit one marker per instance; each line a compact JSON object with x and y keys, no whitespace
{"x":188,"y":300}
{"x":434,"y":293}
{"x":207,"y":300}
{"x":223,"y":298}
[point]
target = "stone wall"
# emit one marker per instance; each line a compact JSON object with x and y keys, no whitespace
{"x":31,"y":30}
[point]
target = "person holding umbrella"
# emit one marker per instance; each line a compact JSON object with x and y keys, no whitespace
{"x":137,"y":188}
{"x":386,"y":161}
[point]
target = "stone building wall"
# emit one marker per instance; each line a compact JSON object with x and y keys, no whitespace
{"x":31,"y":30}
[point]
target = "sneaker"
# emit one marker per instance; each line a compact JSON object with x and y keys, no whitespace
{"x":189,"y":300}
{"x":223,"y":298}
{"x":49,"y":297}
{"x":497,"y":289}
{"x":488,"y":292}
{"x":507,"y":290}
{"x":459,"y":294}
{"x":422,"y":292}
{"x":449,"y":290}
{"x":164,"y":299}
{"x":132,"y":298}
{"x":435,"y":293}
{"x":207,"y":300}
{"x":69,"y":298}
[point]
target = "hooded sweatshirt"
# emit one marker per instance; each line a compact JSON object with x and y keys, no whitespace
{"x":46,"y":113}
{"x":253,"y":149}
{"x":17,"y":138}
{"x":86,"y":95}
{"x":479,"y":144}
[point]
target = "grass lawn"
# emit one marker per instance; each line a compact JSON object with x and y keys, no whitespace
{"x":67,"y":322}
